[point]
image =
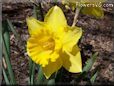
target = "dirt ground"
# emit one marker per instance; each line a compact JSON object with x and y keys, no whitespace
{"x":97,"y":37}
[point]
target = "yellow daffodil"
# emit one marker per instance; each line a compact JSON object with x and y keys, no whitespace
{"x":53,"y":44}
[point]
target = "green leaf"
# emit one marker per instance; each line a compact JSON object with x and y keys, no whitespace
{"x":93,"y":78}
{"x":93,"y":11}
{"x":5,"y":76}
{"x":6,"y":36}
{"x":85,"y":73}
{"x":40,"y":77}
{"x":11,"y":27}
{"x":90,"y":62}
{"x":51,"y":82}
{"x":0,"y":47}
{"x":0,"y":54}
{"x":6,"y":51}
{"x":40,"y":11}
{"x":59,"y":75}
{"x":7,"y":58}
{"x":30,"y":70}
{"x":32,"y":73}
{"x":35,"y":13}
{"x":52,"y":79}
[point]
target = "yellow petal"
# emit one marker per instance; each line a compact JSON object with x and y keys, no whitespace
{"x":52,"y":67}
{"x":55,"y":19}
{"x":72,"y":61}
{"x":71,"y":38}
{"x":34,"y":26}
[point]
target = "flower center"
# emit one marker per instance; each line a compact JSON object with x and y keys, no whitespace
{"x":47,"y":43}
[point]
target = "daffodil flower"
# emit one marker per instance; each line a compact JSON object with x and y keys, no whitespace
{"x":53,"y":43}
